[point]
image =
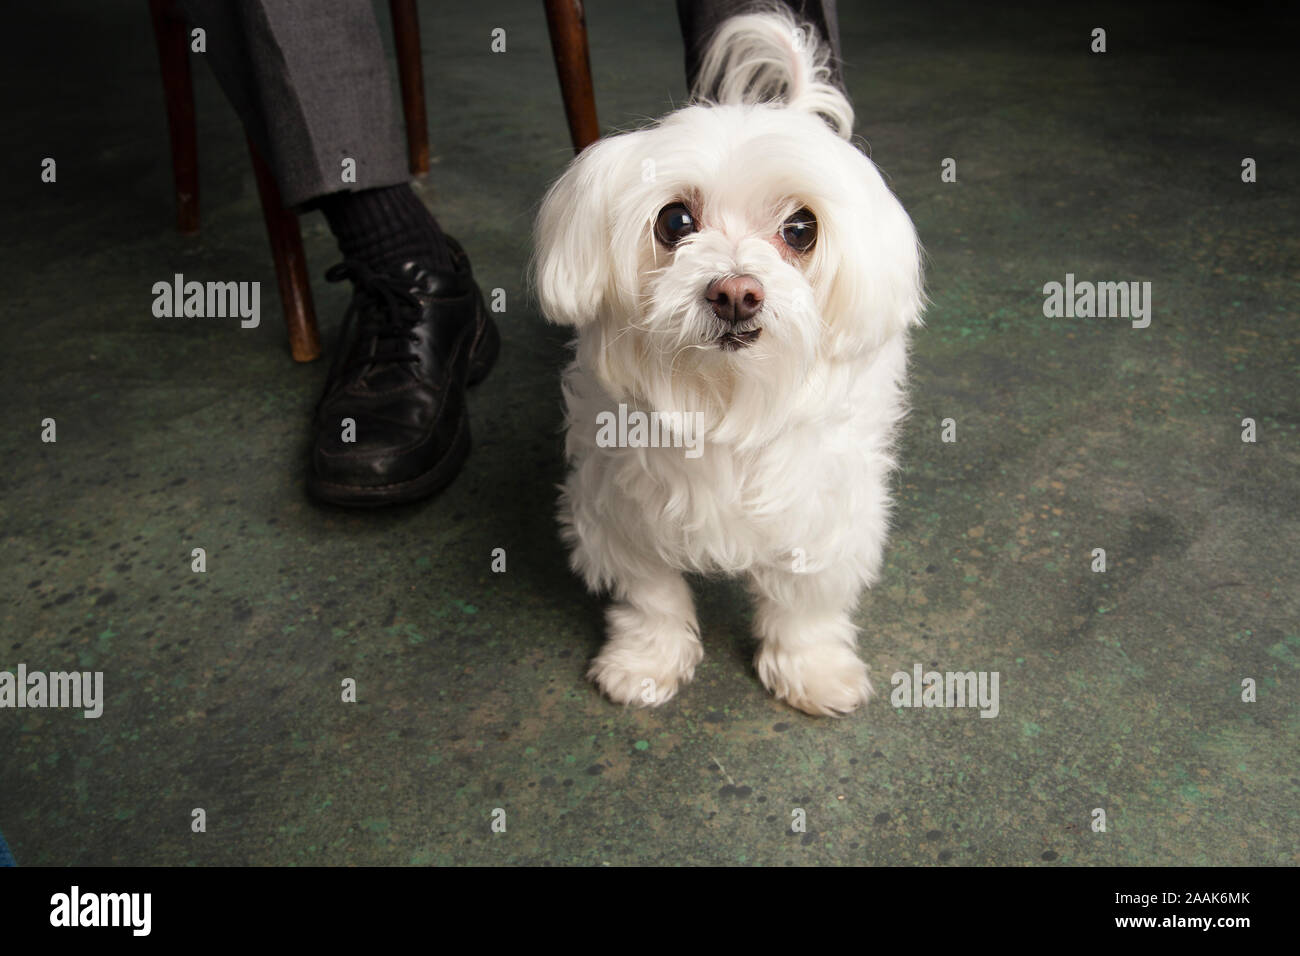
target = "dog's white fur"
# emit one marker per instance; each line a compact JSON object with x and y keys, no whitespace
{"x":799,"y":426}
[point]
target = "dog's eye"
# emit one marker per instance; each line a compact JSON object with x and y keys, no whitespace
{"x":800,"y":230}
{"x":674,"y":224}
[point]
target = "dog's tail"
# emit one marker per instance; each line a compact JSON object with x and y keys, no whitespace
{"x":769,"y":56}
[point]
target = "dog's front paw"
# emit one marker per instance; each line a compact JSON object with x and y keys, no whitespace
{"x":645,"y":660}
{"x":825,"y":679}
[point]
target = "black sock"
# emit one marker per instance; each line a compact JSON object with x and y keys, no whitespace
{"x":385,"y":227}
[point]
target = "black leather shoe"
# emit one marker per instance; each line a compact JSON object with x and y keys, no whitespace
{"x":392,"y":425}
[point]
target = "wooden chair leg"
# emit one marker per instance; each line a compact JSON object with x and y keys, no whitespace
{"x":172,"y":36}
{"x":568,"y":27}
{"x":290,"y":263}
{"x":410,"y":72}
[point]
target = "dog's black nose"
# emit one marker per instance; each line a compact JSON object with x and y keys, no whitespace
{"x":735,"y":298}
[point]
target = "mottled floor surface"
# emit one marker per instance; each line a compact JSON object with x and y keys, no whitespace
{"x":1120,"y":691}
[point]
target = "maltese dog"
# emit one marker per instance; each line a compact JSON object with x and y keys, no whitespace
{"x":742,"y":283}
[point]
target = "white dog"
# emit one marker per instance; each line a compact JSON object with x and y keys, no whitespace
{"x":740,"y":265}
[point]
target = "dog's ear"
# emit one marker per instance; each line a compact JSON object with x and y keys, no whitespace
{"x":873,"y":281}
{"x":573,"y":264}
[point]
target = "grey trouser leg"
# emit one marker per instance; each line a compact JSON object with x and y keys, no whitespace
{"x":699,"y":18}
{"x":310,"y":82}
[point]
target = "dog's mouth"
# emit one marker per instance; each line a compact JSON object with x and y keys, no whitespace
{"x":733,"y":341}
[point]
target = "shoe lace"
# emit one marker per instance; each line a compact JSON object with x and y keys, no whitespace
{"x":384,"y":306}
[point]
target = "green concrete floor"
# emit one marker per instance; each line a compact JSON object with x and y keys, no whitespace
{"x":1119,"y":691}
